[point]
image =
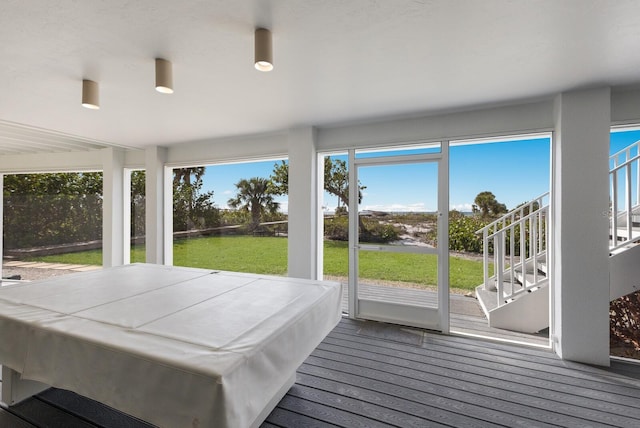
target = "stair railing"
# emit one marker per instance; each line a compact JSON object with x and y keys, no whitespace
{"x":624,"y":178}
{"x":528,"y":225}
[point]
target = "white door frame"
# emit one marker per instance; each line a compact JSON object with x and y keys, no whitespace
{"x":393,"y":312}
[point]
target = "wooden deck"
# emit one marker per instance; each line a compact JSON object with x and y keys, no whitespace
{"x":367,"y":374}
{"x":466,"y":316}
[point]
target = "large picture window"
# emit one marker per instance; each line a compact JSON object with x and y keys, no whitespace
{"x":52,"y":224}
{"x":231,"y":217}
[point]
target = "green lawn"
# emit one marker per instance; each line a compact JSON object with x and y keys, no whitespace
{"x":268,"y":255}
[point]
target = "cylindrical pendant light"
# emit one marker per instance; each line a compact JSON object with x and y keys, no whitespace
{"x":263,"y":50}
{"x":90,"y":95}
{"x":164,"y":76}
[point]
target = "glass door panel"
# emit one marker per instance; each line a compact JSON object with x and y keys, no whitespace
{"x":398,"y":267}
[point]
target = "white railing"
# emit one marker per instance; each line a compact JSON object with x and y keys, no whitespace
{"x":624,"y":179}
{"x":516,"y":243}
{"x":519,"y":242}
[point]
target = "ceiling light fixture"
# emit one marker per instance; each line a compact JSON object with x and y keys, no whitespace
{"x":263,"y":50}
{"x":164,"y":76}
{"x":90,"y":95}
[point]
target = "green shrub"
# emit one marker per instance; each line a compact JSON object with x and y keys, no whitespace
{"x":374,"y":231}
{"x":462,"y":234}
{"x":337,"y":229}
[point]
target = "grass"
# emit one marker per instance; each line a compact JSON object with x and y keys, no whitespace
{"x":268,"y":255}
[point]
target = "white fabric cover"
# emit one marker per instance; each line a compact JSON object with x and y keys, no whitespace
{"x":177,"y":347}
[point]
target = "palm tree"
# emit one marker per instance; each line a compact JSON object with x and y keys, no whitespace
{"x":184,"y":175}
{"x":188,"y":202}
{"x":254,"y":195}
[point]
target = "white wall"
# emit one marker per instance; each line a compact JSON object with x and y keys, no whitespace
{"x":244,"y":148}
{"x":625,"y":106}
{"x":506,"y":120}
{"x":51,"y":162}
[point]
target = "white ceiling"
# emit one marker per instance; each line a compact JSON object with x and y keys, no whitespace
{"x":335,"y":61}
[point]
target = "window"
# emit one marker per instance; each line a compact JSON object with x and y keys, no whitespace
{"x":52,"y":224}
{"x":231,"y":217}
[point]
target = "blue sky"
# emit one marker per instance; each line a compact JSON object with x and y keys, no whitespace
{"x":515,"y":171}
{"x":622,"y":139}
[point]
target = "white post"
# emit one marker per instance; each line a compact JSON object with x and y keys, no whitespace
{"x":15,"y":389}
{"x":637,"y":164}
{"x":443,"y":239}
{"x":126,"y":223}
{"x":580,"y":166}
{"x":353,"y":236}
{"x":113,"y":240}
{"x":614,"y":209}
{"x":155,"y":158}
{"x":498,"y":250}
{"x":303,"y":246}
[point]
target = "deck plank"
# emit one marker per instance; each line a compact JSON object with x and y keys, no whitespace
{"x":480,"y":397}
{"x":478,"y":401}
{"x":10,"y":420}
{"x":44,"y":415}
{"x":283,"y":418}
{"x":466,"y":317}
{"x":311,"y":404}
{"x":359,"y":401}
{"x":367,"y":374}
{"x":427,"y":407}
{"x":91,"y":410}
{"x":447,"y":357}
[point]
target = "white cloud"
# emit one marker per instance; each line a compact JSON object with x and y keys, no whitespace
{"x":415,"y":207}
{"x":466,"y":207}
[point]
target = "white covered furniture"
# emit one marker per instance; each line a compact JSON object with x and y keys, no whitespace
{"x":177,"y":347}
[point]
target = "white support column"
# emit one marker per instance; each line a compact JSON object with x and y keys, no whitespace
{"x":113,"y":240}
{"x":126,"y":219}
{"x":155,"y":158}
{"x":303,"y":204}
{"x":580,"y":298}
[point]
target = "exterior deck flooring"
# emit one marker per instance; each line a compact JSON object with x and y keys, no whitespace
{"x":465,"y":316}
{"x":368,"y":374}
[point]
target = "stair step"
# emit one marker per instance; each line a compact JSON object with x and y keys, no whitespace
{"x":529,"y":278}
{"x":489,"y":300}
{"x":542,"y":267}
{"x":508,"y":287}
{"x":623,"y":249}
{"x":623,"y":234}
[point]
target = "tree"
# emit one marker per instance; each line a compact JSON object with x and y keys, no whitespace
{"x":336,"y":181}
{"x":138,"y":201}
{"x":486,"y":204}
{"x":528,"y":207}
{"x":49,"y":209}
{"x":255,"y":195}
{"x":279,"y":180}
{"x":191,"y":208}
